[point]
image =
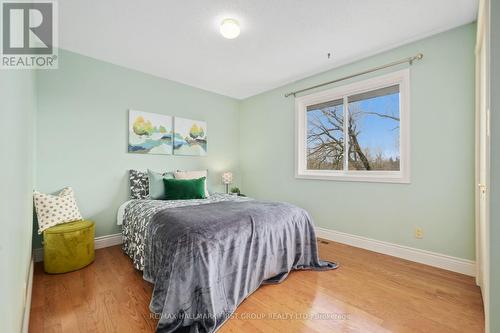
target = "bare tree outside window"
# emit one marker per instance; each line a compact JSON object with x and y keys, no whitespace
{"x":373,"y":132}
{"x":325,"y":136}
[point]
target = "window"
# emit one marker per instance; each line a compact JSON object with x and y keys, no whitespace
{"x":358,"y":132}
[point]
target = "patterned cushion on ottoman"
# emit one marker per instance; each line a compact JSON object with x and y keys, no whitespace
{"x":52,"y":210}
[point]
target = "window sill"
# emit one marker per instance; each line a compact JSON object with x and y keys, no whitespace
{"x":380,"y":177}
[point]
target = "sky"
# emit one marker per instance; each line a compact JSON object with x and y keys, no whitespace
{"x":377,"y":132}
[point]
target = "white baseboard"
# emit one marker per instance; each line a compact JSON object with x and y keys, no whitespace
{"x":459,"y":265}
{"x":27,"y":303}
{"x":100,"y":242}
{"x":108,"y":240}
{"x":463,"y":266}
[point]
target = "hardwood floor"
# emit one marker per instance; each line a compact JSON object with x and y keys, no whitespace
{"x":370,"y":292}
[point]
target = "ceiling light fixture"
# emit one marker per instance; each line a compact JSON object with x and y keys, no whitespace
{"x":230,"y":28}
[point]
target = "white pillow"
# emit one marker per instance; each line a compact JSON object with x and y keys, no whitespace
{"x":193,"y":175}
{"x":52,"y":210}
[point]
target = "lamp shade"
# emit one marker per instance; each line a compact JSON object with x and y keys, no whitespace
{"x":227,"y":177}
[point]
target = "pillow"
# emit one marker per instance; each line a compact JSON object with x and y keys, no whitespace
{"x":139,"y":184}
{"x":193,"y":175}
{"x":156,"y":185}
{"x":176,"y":189}
{"x":52,"y":210}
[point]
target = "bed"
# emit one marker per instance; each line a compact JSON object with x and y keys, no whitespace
{"x":205,"y":256}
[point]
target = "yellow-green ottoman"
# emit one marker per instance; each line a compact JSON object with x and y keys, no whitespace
{"x":68,"y":246}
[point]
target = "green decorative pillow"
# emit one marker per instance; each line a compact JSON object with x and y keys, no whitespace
{"x":156,"y":186}
{"x":177,"y":189}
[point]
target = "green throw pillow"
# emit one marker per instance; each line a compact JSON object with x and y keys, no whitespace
{"x":177,"y":189}
{"x":156,"y":186}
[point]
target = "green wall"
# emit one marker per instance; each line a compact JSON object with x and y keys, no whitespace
{"x":495,"y":170}
{"x":17,"y":119}
{"x":83,"y":132}
{"x":440,"y":197}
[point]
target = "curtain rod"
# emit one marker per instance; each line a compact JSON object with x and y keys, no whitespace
{"x":409,"y":60}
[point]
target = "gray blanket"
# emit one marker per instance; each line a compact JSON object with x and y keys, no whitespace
{"x":205,"y":260}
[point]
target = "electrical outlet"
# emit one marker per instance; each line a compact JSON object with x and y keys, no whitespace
{"x":419,"y":233}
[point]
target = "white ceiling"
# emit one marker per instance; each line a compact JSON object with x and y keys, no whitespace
{"x":281,"y":41}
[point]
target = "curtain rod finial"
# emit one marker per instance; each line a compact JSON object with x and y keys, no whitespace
{"x":419,"y":56}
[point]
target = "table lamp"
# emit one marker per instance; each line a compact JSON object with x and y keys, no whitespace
{"x":227,"y":178}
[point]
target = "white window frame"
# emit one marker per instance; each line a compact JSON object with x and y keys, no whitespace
{"x":401,"y":78}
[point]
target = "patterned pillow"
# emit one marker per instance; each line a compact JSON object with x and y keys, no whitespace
{"x":52,"y":210}
{"x":139,"y":184}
